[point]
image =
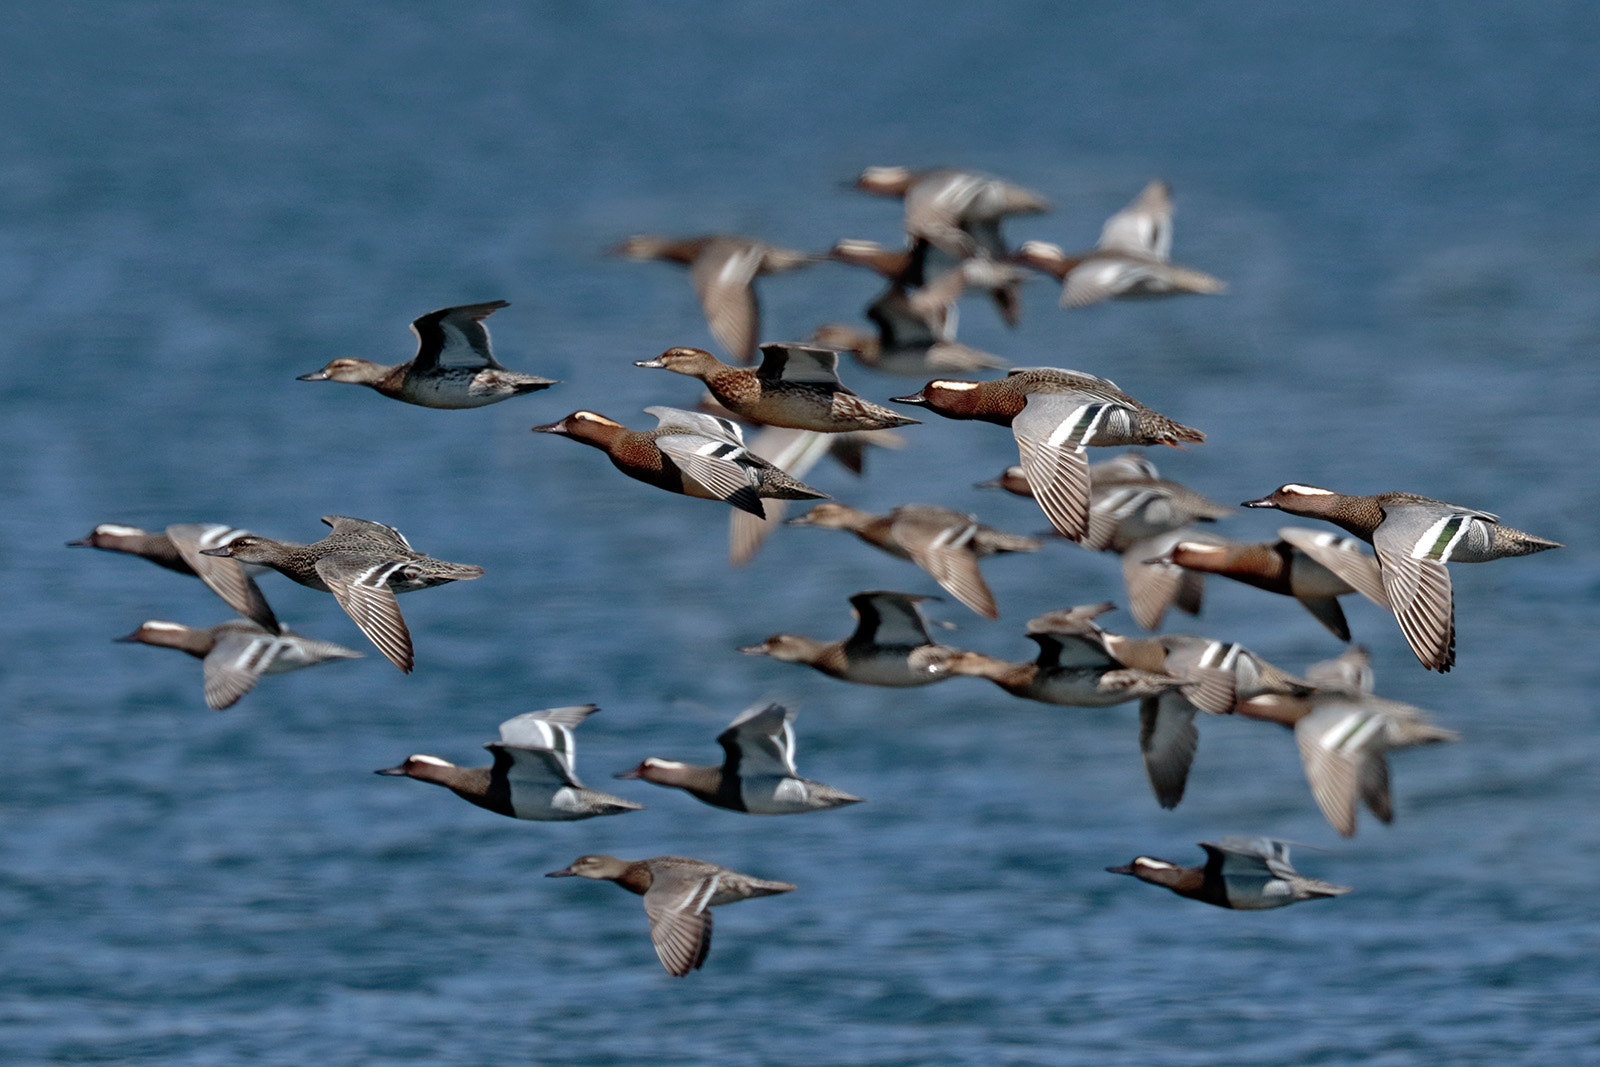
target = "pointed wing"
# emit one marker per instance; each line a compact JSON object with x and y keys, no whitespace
{"x":1338,"y":742}
{"x":1056,"y":465}
{"x":899,"y":323}
{"x":455,"y":337}
{"x":792,"y":362}
{"x":680,"y":923}
{"x":1168,"y":738}
{"x":226,"y":576}
{"x":1100,"y":278}
{"x":1419,"y":592}
{"x":541,"y":771}
{"x":1252,"y":857}
{"x":1343,"y":556}
{"x":934,"y":209}
{"x":1327,"y":611}
{"x":723,"y":275}
{"x":699,"y":422}
{"x":795,"y":451}
{"x":888,"y":619}
{"x":548,"y":731}
{"x":373,"y":531}
{"x":1072,"y":638}
{"x":747,"y":532}
{"x":1152,"y":587}
{"x":362,"y":589}
{"x":760,"y":742}
{"x":1061,"y":651}
{"x":1350,"y":672}
{"x":1144,"y":227}
{"x":722,"y":469}
{"x":232,"y":667}
{"x":945,"y":551}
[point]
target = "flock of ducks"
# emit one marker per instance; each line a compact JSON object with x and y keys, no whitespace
{"x":794,"y":395}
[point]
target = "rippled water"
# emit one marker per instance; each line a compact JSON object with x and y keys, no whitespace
{"x":198,"y":203}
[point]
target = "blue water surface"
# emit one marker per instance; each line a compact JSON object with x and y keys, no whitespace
{"x":199,"y":202}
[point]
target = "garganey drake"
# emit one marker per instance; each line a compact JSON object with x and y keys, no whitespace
{"x":1297,"y":564}
{"x":1054,"y":414}
{"x":1133,"y":258}
{"x":532,"y":776}
{"x":1414,"y":537}
{"x":1247,"y":874}
{"x":182,"y":548}
{"x":677,"y":892}
{"x":236,"y":654}
{"x":688,"y":452}
{"x":757,"y":774}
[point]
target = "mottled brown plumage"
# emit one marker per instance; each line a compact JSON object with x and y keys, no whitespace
{"x":796,"y":386}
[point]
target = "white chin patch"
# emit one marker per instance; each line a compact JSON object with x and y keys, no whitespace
{"x":435,"y":760}
{"x":1306,"y":490}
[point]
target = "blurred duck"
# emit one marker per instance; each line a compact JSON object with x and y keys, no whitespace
{"x":947,"y":544}
{"x":920,"y":300}
{"x":1135,"y":512}
{"x":182,"y":548}
{"x":688,"y":452}
{"x":1133,"y":258}
{"x":757,"y":774}
{"x":453,"y":367}
{"x":797,"y":385}
{"x":1414,"y":536}
{"x":677,"y":892}
{"x":890,"y":645}
{"x":236,"y":654}
{"x":532,"y":776}
{"x":1345,"y":734}
{"x":1054,"y":415}
{"x":1293,"y":566}
{"x":958,"y":214}
{"x":364,"y":565}
{"x":1247,"y":874}
{"x":1073,"y":666}
{"x":723,"y":268}
{"x":915,"y":330}
{"x":1212,"y":676}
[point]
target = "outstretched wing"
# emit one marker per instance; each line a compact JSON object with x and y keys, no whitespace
{"x":723,"y":275}
{"x":677,"y":904}
{"x":455,"y":337}
{"x":225,"y":575}
{"x":891,"y":619}
{"x":760,"y":742}
{"x":362,"y":589}
{"x":373,"y":531}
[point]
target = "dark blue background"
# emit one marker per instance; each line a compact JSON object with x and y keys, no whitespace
{"x":199,"y":202}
